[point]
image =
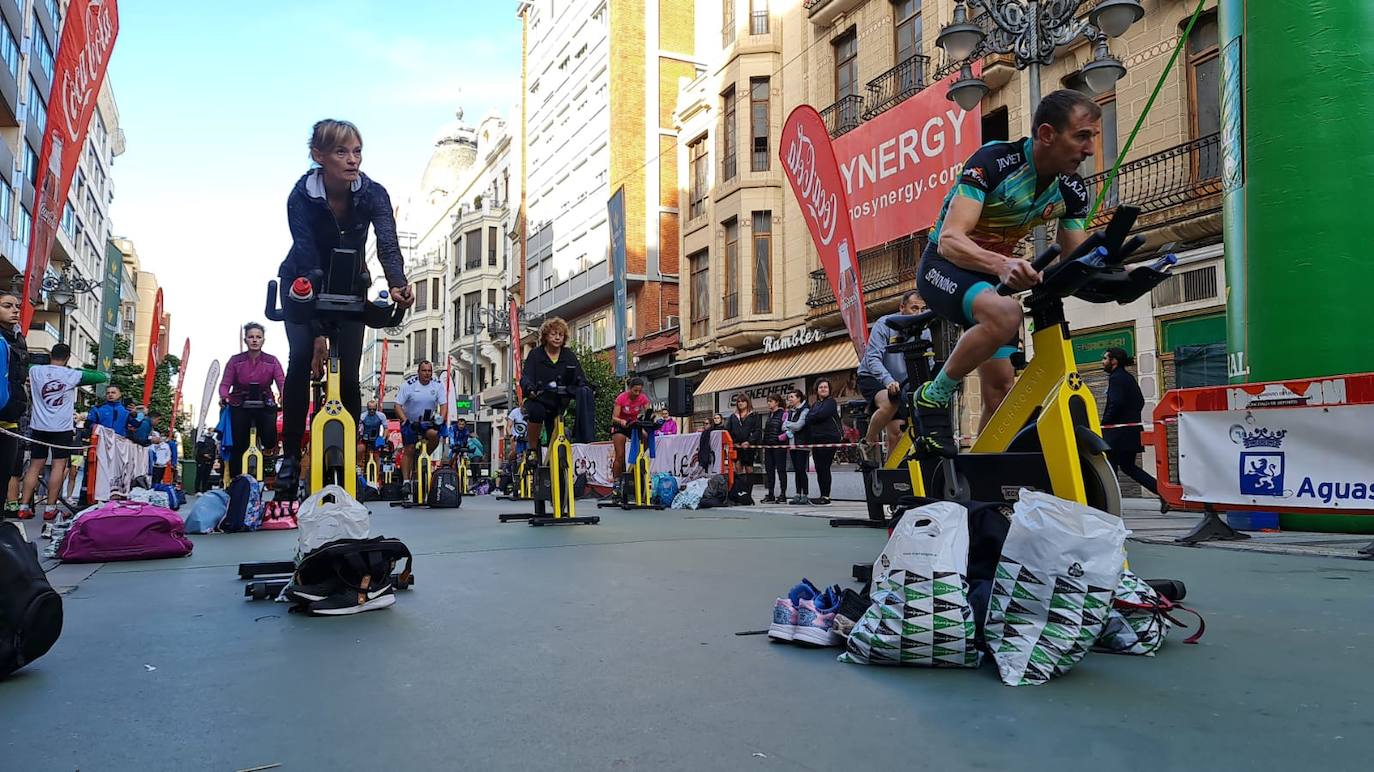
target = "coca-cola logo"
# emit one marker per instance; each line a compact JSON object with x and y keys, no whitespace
{"x":79,"y":88}
{"x":822,"y":206}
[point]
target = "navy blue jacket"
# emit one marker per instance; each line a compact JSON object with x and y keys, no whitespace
{"x":111,"y":415}
{"x":823,"y":421}
{"x":315,"y":231}
{"x":1124,"y":406}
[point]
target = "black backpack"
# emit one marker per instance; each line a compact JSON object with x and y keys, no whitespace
{"x":342,"y":564}
{"x":30,"y":611}
{"x":443,"y":490}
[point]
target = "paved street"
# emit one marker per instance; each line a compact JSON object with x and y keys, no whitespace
{"x":615,"y":646}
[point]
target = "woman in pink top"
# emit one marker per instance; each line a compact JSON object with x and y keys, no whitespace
{"x":629,"y":407}
{"x":248,"y":378}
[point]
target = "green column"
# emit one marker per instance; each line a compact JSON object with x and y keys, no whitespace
{"x":1297,"y":206}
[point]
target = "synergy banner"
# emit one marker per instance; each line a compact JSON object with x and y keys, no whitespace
{"x":83,"y":53}
{"x":1318,"y":457}
{"x":808,"y":160}
{"x":898,"y":166}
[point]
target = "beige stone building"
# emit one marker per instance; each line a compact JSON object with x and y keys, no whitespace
{"x":750,"y":271}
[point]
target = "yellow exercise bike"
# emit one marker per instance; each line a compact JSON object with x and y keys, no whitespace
{"x":554,"y":481}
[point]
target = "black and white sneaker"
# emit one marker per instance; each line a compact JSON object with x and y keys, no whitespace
{"x":309,"y":593}
{"x":347,"y":601}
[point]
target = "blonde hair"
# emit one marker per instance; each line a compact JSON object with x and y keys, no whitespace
{"x":329,"y":133}
{"x":550,"y":325}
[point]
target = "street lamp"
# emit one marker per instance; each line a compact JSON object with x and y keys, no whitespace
{"x":63,"y":290}
{"x":498,"y":323}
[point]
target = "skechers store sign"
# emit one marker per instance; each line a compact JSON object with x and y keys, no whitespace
{"x":801,"y":336}
{"x":1318,"y":457}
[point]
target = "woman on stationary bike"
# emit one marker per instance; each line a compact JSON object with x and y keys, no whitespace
{"x":331,"y":207}
{"x":549,"y":366}
{"x":629,"y":407}
{"x":249,"y":377}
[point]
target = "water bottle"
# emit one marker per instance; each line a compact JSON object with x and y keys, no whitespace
{"x":1164,"y":263}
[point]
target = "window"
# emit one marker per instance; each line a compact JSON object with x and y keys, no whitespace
{"x":763,"y":262}
{"x":474,"y":248}
{"x":727,"y":29}
{"x":1204,"y":95}
{"x":472,"y":301}
{"x":491,"y":245}
{"x":42,"y":49}
{"x":53,"y":12}
{"x":907,"y":44}
{"x":629,"y":321}
{"x":418,"y":350}
{"x":457,"y":314}
{"x":731,"y":268}
{"x":1105,"y":149}
{"x":696,"y":153}
{"x":434,"y":293}
{"x":31,"y":171}
{"x":846,"y":65}
{"x":434,"y":347}
{"x":701,"y":294}
{"x":599,"y":326}
{"x":37,"y":108}
{"x":9,"y":50}
{"x":727,"y":158}
{"x":6,"y":204}
{"x":491,"y":299}
{"x":69,"y":222}
{"x":758,"y":17}
{"x":422,"y":295}
{"x":758,"y":123}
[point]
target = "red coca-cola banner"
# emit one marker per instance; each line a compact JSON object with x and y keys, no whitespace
{"x":83,"y":53}
{"x":898,"y":166}
{"x":181,"y":378}
{"x":808,"y":160}
{"x":154,"y":341}
{"x":381,"y":376}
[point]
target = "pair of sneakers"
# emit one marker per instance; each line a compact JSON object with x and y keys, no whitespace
{"x":334,"y":599}
{"x":806,"y":615}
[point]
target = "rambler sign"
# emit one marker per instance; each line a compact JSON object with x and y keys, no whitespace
{"x":799,"y":337}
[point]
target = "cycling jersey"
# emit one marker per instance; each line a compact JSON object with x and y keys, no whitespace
{"x":417,"y":399}
{"x":1001,"y":176}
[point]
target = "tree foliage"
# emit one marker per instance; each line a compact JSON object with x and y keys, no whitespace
{"x":601,"y":376}
{"x":128,"y":376}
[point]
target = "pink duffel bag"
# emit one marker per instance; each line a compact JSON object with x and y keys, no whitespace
{"x":125,"y":530}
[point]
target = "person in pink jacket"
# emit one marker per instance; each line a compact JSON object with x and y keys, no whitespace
{"x":248,"y":378}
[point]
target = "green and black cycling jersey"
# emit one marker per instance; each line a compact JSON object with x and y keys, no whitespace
{"x":1001,"y":176}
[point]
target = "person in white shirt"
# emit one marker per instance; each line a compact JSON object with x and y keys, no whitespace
{"x":159,"y":456}
{"x":416,"y":406}
{"x":53,"y":390}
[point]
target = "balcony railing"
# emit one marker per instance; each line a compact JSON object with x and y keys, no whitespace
{"x":844,"y":115}
{"x":1168,"y":178}
{"x":892,"y":266}
{"x":889,"y":89}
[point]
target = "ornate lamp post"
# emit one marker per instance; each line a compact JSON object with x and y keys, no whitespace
{"x":64,"y":290}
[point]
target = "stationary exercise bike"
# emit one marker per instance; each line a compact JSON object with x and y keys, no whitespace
{"x":522,"y":479}
{"x":1046,"y":434}
{"x":424,"y":468}
{"x":637,"y":477}
{"x":325,"y":301}
{"x":554,"y":481}
{"x":461,"y":468}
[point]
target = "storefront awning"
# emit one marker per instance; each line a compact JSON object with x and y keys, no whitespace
{"x":833,"y":355}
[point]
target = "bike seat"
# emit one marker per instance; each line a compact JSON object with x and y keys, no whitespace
{"x":913,"y":325}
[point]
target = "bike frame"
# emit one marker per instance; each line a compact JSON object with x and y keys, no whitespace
{"x":332,"y":431}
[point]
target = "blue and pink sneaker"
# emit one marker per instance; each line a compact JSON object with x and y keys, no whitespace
{"x":816,"y":619}
{"x":786,"y":609}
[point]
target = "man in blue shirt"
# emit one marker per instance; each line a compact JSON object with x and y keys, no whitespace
{"x":112,"y":414}
{"x":140,"y":426}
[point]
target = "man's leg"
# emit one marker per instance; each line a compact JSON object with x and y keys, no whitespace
{"x":1125,"y":461}
{"x":55,"y":479}
{"x":884,"y":411}
{"x":31,"y":475}
{"x":995,"y":379}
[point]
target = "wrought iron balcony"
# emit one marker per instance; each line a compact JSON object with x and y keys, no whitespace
{"x":888,"y":268}
{"x":844,"y":115}
{"x":1183,"y":173}
{"x":889,"y":89}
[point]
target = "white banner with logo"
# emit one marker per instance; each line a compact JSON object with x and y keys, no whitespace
{"x":675,"y":454}
{"x":1318,"y":457}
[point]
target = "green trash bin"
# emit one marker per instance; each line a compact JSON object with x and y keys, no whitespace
{"x":188,"y":474}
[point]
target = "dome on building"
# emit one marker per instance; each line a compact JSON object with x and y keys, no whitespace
{"x":455,"y":151}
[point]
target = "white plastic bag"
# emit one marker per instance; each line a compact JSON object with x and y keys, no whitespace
{"x":330,"y":514}
{"x":1053,"y":588}
{"x":156,"y":498}
{"x":920,"y":613}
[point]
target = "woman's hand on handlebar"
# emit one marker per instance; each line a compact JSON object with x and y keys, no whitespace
{"x":402,"y":297}
{"x":1018,"y":274}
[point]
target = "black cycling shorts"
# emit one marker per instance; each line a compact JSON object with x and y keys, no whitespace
{"x":949,"y":290}
{"x":43,"y":452}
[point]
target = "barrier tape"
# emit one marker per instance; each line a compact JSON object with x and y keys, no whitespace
{"x":32,"y":441}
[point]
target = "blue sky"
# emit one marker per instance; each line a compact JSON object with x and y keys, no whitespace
{"x":217,"y":99}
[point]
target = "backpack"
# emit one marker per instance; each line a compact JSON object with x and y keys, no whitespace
{"x":342,"y":564}
{"x":175,"y":498}
{"x":664,"y":487}
{"x":245,"y":505}
{"x":443,"y":490}
{"x":14,"y":357}
{"x":205,"y":515}
{"x":30,"y":611}
{"x":125,"y":530}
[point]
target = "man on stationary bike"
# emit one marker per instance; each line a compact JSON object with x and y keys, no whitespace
{"x":416,"y":404}
{"x":1005,"y":190}
{"x":881,"y":376}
